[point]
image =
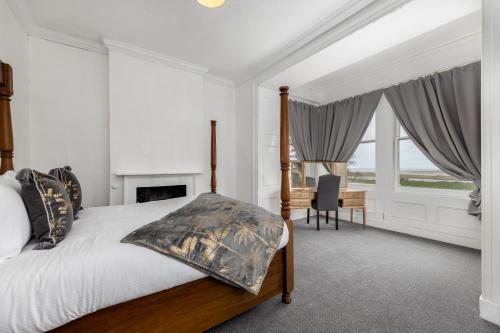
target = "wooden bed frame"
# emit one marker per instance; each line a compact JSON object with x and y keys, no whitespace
{"x":195,"y":306}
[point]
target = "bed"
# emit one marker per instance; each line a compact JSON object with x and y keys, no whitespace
{"x":111,"y":292}
{"x":90,"y":259}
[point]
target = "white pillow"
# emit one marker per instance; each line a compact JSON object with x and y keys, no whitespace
{"x":15,"y":228}
{"x":9,"y":179}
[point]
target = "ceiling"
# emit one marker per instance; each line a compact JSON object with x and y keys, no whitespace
{"x":454,"y":44}
{"x":416,"y":31}
{"x":231,"y":41}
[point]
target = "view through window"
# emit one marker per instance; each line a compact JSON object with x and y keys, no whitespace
{"x":361,"y":166}
{"x":416,"y":170}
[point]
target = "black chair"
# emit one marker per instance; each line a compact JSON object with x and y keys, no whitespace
{"x":327,"y":198}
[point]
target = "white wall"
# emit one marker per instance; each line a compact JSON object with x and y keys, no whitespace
{"x":246,"y":150}
{"x":14,"y":51}
{"x":59,"y":107}
{"x":219,"y":104}
{"x":490,"y":183}
{"x":160,"y":122}
{"x":69,"y":115}
{"x":61,"y":114}
{"x":156,"y":119}
{"x":269,"y":174}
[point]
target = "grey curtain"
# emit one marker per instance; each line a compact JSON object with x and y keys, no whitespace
{"x":442,"y":115}
{"x":304,"y":139}
{"x":331,"y":132}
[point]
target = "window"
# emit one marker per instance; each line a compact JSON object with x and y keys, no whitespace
{"x":416,"y":170}
{"x":293,"y":152}
{"x":361,"y":166}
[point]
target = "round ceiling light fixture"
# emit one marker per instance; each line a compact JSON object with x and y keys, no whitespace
{"x":211,"y":3}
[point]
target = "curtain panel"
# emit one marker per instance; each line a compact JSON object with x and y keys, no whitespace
{"x":441,"y":114}
{"x":331,"y":132}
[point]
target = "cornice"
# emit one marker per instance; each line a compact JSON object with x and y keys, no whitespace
{"x":69,"y":40}
{"x":219,"y":80}
{"x":152,"y":56}
{"x":351,"y":17}
{"x":23,"y":15}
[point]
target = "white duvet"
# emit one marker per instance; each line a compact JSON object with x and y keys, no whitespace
{"x":89,"y":270}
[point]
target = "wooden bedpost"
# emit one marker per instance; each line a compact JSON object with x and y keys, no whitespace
{"x":6,"y":138}
{"x":213,"y":156}
{"x":288,"y":282}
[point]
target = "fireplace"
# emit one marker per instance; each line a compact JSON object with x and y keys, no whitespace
{"x":155,"y":193}
{"x":158,"y":183}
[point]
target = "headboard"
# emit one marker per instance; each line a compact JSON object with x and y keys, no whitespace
{"x":6,"y":138}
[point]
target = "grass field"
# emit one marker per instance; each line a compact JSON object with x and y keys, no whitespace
{"x":420,"y":179}
{"x":360,"y":180}
{"x":458,"y":185}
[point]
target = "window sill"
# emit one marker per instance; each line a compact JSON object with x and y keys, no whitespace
{"x":361,"y":186}
{"x":433,"y":192}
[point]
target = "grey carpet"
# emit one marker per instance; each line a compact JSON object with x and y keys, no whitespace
{"x":371,"y":280}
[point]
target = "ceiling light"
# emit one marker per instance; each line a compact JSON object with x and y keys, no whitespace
{"x":211,"y":3}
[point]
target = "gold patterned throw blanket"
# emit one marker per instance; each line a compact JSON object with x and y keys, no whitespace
{"x":228,"y":239}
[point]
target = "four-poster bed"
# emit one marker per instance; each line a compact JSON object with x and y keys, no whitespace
{"x":190,"y":307}
{"x":6,"y":141}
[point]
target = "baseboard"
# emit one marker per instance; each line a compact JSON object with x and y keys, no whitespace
{"x":489,"y":311}
{"x":374,"y":220}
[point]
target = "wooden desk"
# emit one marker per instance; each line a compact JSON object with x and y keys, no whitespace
{"x":301,"y":197}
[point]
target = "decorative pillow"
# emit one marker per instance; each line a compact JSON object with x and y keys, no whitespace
{"x":14,"y":222}
{"x":72,"y":186}
{"x":49,"y":208}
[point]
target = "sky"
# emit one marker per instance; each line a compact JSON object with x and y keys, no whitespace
{"x":410,"y":158}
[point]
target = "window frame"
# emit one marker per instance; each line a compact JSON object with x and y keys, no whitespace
{"x":363,"y":185}
{"x":411,"y":189}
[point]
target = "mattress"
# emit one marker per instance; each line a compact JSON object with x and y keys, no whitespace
{"x":89,"y":270}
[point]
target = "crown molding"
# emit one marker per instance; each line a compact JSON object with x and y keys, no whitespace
{"x":351,"y":17}
{"x":219,"y":80}
{"x":23,"y":15}
{"x":152,"y":56}
{"x":69,"y":40}
{"x":25,"y":19}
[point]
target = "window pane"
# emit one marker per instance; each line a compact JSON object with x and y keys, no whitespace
{"x":293,"y":153}
{"x":361,"y":167}
{"x":296,"y":174}
{"x":370,"y":131}
{"x":402,"y":132}
{"x":415,"y":170}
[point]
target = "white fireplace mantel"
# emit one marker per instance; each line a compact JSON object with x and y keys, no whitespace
{"x":134,"y":179}
{"x":155,"y":173}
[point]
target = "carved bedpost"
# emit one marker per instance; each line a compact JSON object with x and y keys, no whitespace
{"x":213,"y":156}
{"x":6,"y":138}
{"x":288,"y":282}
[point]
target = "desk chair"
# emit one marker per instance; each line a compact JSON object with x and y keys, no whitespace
{"x":327,"y":198}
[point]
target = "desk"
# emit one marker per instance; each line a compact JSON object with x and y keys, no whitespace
{"x":300,"y":198}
